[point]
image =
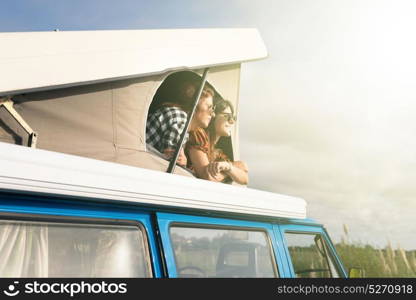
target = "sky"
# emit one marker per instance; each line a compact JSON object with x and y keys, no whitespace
{"x":328,"y":116}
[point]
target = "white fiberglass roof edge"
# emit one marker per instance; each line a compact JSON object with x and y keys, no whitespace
{"x":32,"y":170}
{"x":34,"y":61}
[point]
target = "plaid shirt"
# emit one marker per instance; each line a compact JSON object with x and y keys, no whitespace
{"x":164,"y":128}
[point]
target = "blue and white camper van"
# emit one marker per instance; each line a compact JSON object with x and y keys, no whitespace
{"x":82,"y":195}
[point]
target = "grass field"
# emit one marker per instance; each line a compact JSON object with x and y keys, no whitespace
{"x":387,"y":262}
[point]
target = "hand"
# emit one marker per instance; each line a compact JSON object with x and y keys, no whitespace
{"x":182,"y":160}
{"x":215,"y":168}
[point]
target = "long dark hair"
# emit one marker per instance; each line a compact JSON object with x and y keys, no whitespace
{"x":174,"y":91}
{"x":220,"y":105}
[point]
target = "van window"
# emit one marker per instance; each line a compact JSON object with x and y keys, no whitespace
{"x":310,"y":256}
{"x":171,"y":91}
{"x":221,"y":252}
{"x":43,"y":249}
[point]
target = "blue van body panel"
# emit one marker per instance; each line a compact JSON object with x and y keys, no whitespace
{"x":73,"y":209}
{"x":160,"y":246}
{"x":306,"y":221}
{"x":307,"y":229}
{"x":287,"y":267}
{"x":165,"y":220}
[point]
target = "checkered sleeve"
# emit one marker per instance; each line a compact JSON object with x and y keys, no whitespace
{"x":174,"y":122}
{"x":152,"y":131}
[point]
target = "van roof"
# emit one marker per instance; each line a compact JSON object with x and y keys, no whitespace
{"x":33,"y":61}
{"x":50,"y":173}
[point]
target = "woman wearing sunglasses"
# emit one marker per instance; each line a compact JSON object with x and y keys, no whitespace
{"x":208,"y":161}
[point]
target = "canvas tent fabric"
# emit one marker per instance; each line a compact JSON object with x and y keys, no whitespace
{"x":105,"y":121}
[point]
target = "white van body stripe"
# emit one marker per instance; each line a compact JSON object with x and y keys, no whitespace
{"x":24,"y":169}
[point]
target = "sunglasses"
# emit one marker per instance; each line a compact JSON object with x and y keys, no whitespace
{"x":229,"y":117}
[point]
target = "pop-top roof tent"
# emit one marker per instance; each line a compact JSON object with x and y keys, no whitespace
{"x":88,"y":93}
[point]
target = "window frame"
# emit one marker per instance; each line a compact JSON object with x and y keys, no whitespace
{"x":55,"y":214}
{"x":310,"y":230}
{"x":151,"y":97}
{"x":168,"y":220}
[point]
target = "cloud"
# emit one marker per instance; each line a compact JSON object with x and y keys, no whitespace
{"x":333,"y":120}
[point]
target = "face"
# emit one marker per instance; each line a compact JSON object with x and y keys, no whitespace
{"x":224,"y":122}
{"x":204,"y":112}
